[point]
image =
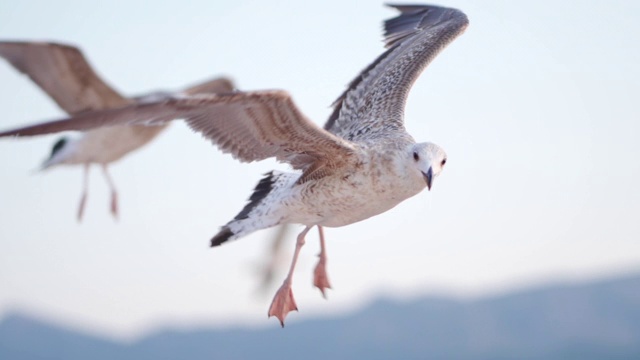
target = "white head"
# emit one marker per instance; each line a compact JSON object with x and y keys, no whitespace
{"x":429,"y":159}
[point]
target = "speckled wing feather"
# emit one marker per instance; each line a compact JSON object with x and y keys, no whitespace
{"x":373,"y":104}
{"x":64,"y":74}
{"x":251,"y":126}
{"x":257,"y":125}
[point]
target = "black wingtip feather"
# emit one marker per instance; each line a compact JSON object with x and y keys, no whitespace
{"x":260,"y":192}
{"x":221,"y":237}
{"x":413,"y":17}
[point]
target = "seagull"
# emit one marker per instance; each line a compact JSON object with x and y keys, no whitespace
{"x":65,"y":75}
{"x":361,"y":164}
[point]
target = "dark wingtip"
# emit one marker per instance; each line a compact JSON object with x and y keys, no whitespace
{"x":414,"y":17}
{"x":260,"y":192}
{"x":60,"y":143}
{"x":221,"y":237}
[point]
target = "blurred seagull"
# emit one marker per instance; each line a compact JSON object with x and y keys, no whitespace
{"x":361,"y":164}
{"x":66,"y":76}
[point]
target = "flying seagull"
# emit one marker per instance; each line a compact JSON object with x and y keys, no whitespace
{"x":66,"y":76}
{"x":361,"y":164}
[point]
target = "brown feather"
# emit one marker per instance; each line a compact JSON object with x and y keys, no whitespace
{"x":64,"y":74}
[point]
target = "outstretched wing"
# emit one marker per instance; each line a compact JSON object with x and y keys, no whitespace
{"x":257,"y":125}
{"x":373,"y":104}
{"x":64,"y":74}
{"x":251,"y":126}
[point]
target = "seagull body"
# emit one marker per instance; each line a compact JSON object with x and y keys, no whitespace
{"x":372,"y":181}
{"x":103,"y":146}
{"x":67,"y":77}
{"x":362,"y":163}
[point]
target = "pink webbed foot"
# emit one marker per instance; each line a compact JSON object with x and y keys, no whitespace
{"x":320,"y":277}
{"x":283,"y":303}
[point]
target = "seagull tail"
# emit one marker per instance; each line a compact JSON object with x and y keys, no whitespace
{"x":222,"y":236}
{"x":247,"y":220}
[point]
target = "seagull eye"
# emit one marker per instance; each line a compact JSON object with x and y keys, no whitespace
{"x":415,"y":156}
{"x":444,"y":161}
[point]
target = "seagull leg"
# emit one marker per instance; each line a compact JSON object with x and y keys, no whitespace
{"x":114,"y":193}
{"x":283,"y":301}
{"x":320,"y":277}
{"x":83,"y":197}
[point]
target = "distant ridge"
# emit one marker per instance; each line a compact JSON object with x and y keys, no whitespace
{"x":596,"y":320}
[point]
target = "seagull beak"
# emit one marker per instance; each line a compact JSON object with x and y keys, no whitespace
{"x":428,"y":177}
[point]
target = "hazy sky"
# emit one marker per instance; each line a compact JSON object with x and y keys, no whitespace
{"x":536,"y":106}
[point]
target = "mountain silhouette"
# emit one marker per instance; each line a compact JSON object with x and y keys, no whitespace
{"x":596,"y":320}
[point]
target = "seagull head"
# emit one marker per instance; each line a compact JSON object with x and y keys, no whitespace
{"x":429,"y":159}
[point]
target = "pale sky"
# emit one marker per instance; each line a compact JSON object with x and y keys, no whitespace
{"x":536,"y":106}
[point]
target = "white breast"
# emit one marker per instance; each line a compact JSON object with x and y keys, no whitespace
{"x":355,"y":194}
